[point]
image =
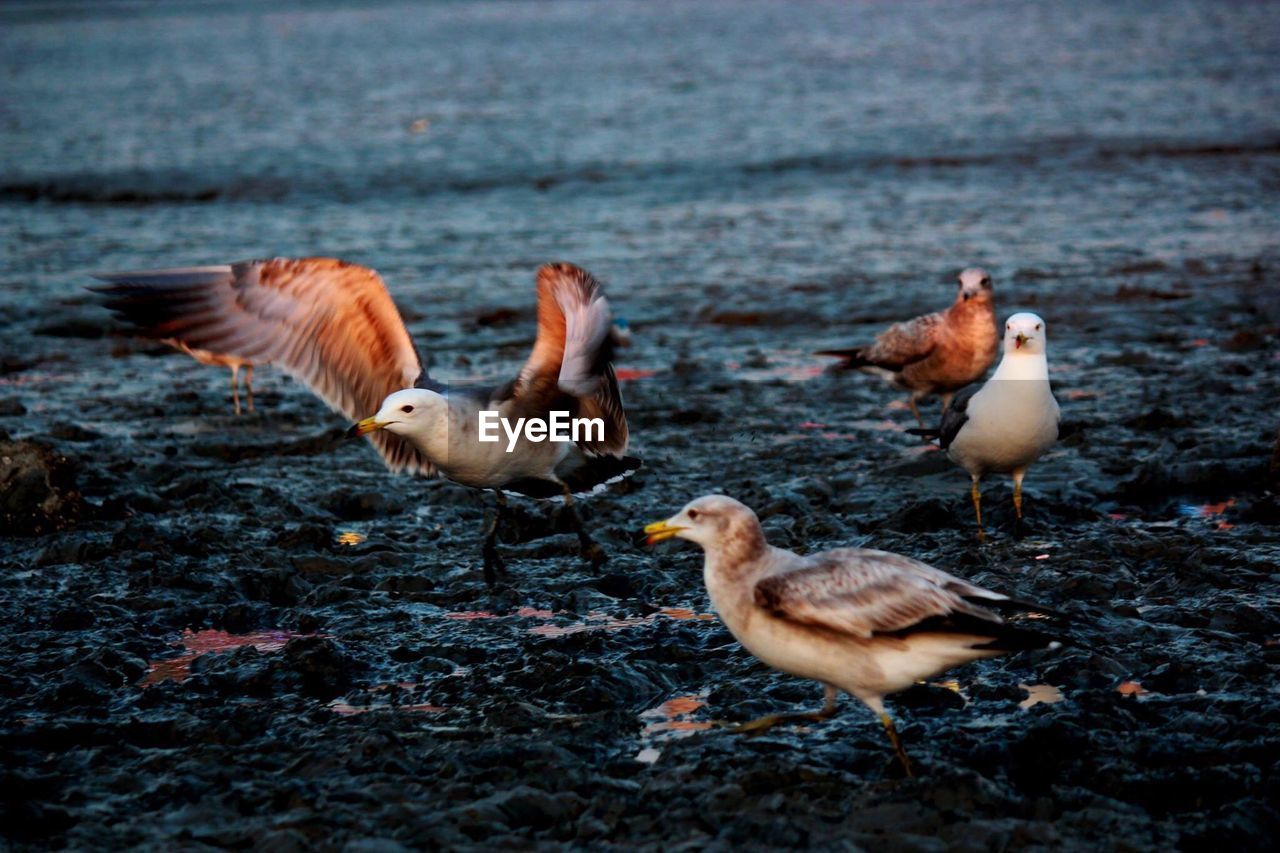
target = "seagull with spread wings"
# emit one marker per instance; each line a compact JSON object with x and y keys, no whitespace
{"x":333,"y":326}
{"x":865,"y":622}
{"x":935,"y":353}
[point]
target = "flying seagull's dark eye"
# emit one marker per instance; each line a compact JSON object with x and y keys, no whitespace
{"x":693,"y":515}
{"x":406,"y":409}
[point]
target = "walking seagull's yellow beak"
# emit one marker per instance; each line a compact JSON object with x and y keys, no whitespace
{"x":660,"y":531}
{"x":364,"y":427}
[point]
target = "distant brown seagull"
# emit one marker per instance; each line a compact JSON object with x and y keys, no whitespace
{"x":334,"y":327}
{"x":867,"y":622}
{"x":936,"y":353}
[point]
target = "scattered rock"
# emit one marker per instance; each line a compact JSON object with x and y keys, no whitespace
{"x":37,"y":489}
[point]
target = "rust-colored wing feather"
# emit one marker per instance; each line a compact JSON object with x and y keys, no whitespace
{"x":571,"y":362}
{"x":330,"y":324}
{"x":864,"y":592}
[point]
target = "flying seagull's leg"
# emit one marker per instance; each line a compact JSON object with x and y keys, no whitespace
{"x":892,"y":732}
{"x":248,"y":383}
{"x":977,"y":508}
{"x":770,"y":720}
{"x":493,"y":562}
{"x":235,"y":386}
{"x":589,"y":548}
{"x":946,"y":401}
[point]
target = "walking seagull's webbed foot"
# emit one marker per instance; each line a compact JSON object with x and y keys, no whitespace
{"x":768,"y":721}
{"x":898,"y":750}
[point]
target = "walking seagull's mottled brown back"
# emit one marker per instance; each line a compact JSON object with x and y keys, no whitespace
{"x":936,"y":353}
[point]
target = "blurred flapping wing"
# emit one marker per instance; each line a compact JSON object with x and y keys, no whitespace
{"x":571,"y":362}
{"x":331,"y":325}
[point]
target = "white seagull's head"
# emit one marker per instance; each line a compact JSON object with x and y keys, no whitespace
{"x":1025,"y":334}
{"x":407,"y":412}
{"x":975,"y":282}
{"x":712,"y":521}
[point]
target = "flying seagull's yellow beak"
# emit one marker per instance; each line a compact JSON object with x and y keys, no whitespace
{"x":364,"y":427}
{"x":660,"y":531}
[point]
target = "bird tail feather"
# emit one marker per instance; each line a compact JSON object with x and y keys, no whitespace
{"x":850,"y":359}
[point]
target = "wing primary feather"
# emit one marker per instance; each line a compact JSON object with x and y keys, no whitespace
{"x":330,"y":324}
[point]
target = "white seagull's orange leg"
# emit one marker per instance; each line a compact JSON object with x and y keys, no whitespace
{"x":1017,"y":491}
{"x":976,"y":495}
{"x":235,"y":386}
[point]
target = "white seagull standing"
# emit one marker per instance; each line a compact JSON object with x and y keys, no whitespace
{"x":935,"y":353}
{"x":867,"y":622}
{"x":333,"y":326}
{"x":1010,"y":421}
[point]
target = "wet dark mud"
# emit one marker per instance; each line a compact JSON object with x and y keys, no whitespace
{"x":240,"y":632}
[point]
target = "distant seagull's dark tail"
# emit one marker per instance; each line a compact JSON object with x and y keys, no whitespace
{"x":926,"y":432}
{"x":850,"y":359}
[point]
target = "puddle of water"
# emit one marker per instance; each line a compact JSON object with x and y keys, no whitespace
{"x":36,"y":378}
{"x":672,"y":719}
{"x":603,"y":622}
{"x":785,"y":372}
{"x":351,"y":537}
{"x":883,"y":425}
{"x":197,"y":643}
{"x":787,"y":365}
{"x":345,"y":708}
{"x":648,"y":755}
{"x":1039,"y":694}
{"x":595,"y":620}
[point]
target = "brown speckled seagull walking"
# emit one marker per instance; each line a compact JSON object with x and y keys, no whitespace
{"x":865,"y":622}
{"x":937,"y":353}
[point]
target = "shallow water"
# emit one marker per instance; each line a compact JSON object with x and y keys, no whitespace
{"x":752,"y":182}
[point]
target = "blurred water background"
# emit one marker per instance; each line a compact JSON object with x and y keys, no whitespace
{"x":688,"y":153}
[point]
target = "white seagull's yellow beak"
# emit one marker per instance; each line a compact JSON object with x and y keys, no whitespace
{"x":1020,"y":340}
{"x":365,"y":427}
{"x":660,"y":531}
